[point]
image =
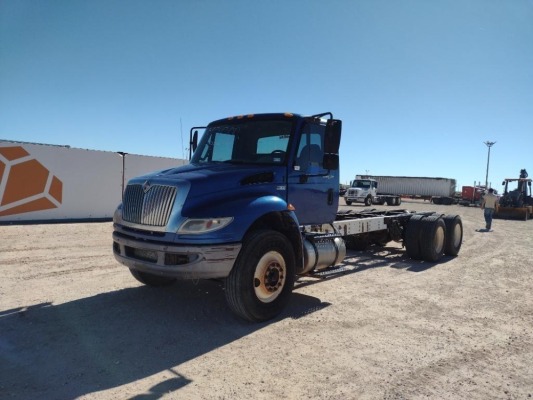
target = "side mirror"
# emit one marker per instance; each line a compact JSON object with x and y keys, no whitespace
{"x":193,"y":139}
{"x":331,"y":161}
{"x":194,"y":142}
{"x":332,"y":137}
{"x":503,"y":183}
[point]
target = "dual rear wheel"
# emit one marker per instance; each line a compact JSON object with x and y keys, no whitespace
{"x":429,"y":237}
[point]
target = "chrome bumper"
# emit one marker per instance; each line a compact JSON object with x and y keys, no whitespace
{"x":175,"y":261}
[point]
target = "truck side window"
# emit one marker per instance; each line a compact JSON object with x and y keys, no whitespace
{"x":310,"y":150}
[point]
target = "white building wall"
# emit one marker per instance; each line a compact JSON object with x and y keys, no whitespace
{"x":45,"y":182}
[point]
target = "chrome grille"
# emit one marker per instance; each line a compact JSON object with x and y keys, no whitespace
{"x":151,"y":208}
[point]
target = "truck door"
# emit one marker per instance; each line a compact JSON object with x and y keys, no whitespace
{"x":312,"y":189}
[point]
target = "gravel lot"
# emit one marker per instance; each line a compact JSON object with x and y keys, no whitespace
{"x":75,"y":324}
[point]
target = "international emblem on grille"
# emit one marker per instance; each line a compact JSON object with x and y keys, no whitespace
{"x":146,"y":186}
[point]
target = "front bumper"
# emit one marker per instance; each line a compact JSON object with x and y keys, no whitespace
{"x":175,"y":261}
{"x":355,"y":199}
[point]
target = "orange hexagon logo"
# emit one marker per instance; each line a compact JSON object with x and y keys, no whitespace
{"x":25,"y":184}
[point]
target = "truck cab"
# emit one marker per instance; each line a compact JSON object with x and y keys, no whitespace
{"x":237,"y":211}
{"x":361,"y":191}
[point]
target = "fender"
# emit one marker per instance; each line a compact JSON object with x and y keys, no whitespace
{"x":245,"y":213}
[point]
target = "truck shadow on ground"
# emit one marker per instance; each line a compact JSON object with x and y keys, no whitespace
{"x":390,"y":256}
{"x":374,"y":257}
{"x":88,"y":345}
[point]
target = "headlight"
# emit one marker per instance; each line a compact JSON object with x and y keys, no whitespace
{"x":203,"y":225}
{"x":117,"y":215}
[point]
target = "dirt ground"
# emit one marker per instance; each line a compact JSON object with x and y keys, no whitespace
{"x":75,"y":324}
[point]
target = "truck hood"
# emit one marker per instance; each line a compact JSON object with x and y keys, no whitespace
{"x":216,"y":178}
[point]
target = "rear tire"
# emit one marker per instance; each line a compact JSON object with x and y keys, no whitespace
{"x":261,"y":281}
{"x":151,"y":279}
{"x":432,"y":238}
{"x":454,"y":234}
{"x":348,"y":202}
{"x":412,"y":236}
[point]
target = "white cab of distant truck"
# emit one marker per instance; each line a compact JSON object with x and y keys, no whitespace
{"x":366,"y":191}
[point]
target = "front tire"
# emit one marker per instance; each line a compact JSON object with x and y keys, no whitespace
{"x":368,"y":201}
{"x":261,"y":281}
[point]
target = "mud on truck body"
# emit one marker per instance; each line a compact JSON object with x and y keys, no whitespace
{"x":258,"y":207}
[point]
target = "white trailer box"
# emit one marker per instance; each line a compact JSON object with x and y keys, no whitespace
{"x":46,"y":182}
{"x":414,"y":186}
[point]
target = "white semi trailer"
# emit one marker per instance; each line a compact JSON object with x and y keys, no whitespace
{"x":389,"y":189}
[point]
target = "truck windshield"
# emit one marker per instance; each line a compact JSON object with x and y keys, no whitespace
{"x":245,"y":142}
{"x":361,"y":184}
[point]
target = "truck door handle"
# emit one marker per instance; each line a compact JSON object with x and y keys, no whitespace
{"x":330,"y":197}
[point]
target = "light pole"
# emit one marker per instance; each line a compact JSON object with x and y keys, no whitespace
{"x":489,"y":145}
{"x":123,"y":155}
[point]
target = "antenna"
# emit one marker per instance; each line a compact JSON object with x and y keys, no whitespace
{"x":182,"y":149}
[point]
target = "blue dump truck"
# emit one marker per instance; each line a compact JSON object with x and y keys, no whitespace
{"x":258,"y":207}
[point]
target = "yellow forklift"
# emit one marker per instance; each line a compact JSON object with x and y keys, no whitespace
{"x":517,"y":203}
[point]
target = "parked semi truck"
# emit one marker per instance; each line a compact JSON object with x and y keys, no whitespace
{"x":258,"y":207}
{"x":472,"y":195}
{"x":366,"y":190}
{"x":389,"y":189}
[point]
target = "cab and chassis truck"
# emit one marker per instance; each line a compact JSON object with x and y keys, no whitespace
{"x":257,"y":207}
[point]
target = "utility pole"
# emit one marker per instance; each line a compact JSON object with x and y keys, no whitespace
{"x":489,"y":145}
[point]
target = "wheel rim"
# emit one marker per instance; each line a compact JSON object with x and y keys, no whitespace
{"x":269,"y":276}
{"x":438,"y":240}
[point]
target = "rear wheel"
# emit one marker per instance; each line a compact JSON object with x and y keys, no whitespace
{"x":412,"y":236}
{"x":348,"y":202}
{"x":432,"y":238}
{"x":261,"y":281}
{"x":454,"y":234}
{"x":151,"y":279}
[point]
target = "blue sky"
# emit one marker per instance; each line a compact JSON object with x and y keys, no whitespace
{"x":419,"y":84}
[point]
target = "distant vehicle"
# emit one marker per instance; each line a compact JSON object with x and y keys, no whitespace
{"x":517,"y":203}
{"x":343,"y":189}
{"x":366,"y":191}
{"x":472,"y":195}
{"x":390,"y":189}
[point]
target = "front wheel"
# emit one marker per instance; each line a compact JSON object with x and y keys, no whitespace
{"x":348,"y":202}
{"x":368,"y":201}
{"x":262,"y":278}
